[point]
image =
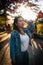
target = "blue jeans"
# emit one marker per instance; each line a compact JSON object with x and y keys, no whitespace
{"x":23,"y":59}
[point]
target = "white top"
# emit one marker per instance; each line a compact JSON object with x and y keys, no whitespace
{"x":24,"y":42}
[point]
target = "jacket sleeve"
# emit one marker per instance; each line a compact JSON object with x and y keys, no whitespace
{"x":12,"y":47}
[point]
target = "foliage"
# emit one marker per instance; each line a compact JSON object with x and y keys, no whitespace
{"x":39,"y":25}
{"x":2,"y":22}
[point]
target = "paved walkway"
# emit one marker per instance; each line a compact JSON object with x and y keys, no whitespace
{"x":5,"y":51}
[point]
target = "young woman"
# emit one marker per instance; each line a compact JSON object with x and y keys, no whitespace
{"x":19,"y":43}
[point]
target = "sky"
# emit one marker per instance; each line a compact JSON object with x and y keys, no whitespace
{"x":27,"y":12}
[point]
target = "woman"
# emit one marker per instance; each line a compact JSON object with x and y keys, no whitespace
{"x":19,"y":43}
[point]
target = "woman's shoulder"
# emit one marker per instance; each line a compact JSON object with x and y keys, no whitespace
{"x":14,"y":32}
{"x":26,"y":30}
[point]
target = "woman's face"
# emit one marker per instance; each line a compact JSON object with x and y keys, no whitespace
{"x":20,"y":23}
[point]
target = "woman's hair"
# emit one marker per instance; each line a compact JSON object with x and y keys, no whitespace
{"x":14,"y":24}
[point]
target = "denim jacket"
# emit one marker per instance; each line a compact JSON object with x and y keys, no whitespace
{"x":15,"y":43}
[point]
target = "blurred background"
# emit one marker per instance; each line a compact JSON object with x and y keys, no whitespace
{"x":32,"y":13}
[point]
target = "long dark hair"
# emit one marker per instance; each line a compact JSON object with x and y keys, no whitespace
{"x":14,"y":24}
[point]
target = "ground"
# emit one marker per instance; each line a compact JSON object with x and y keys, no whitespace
{"x":35,"y":51}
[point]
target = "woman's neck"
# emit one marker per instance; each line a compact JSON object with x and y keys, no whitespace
{"x":22,"y":31}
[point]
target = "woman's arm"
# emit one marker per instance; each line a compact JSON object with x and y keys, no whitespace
{"x":12,"y":46}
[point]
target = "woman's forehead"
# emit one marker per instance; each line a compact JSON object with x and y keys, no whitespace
{"x":20,"y":18}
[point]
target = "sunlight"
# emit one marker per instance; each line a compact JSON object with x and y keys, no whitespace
{"x":40,"y":47}
{"x":26,"y":13}
{"x":34,"y":43}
